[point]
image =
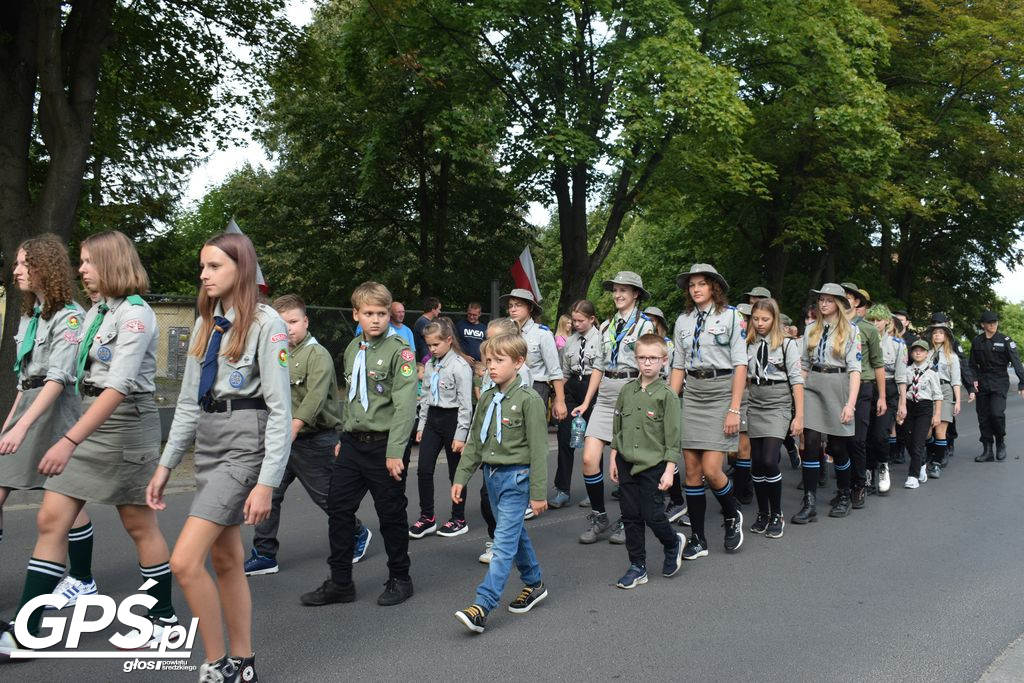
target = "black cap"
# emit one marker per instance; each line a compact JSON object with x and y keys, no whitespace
{"x":903,"y":312}
{"x":989,"y":317}
{"x":940,"y":317}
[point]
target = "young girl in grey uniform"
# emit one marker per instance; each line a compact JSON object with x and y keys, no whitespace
{"x":235,"y":404}
{"x":578,"y":354}
{"x":109,"y":454}
{"x":946,"y":363}
{"x":612,"y":369}
{"x":776,"y":386}
{"x":446,"y":410}
{"x":711,"y":357}
{"x":542,"y":354}
{"x":924,"y":411}
{"x":831,"y":357}
{"x":46,"y":405}
{"x":894,"y":355}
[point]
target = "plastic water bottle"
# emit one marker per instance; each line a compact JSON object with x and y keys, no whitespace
{"x":579,"y":429}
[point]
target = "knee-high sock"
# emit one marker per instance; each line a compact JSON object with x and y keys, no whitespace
{"x":595,"y":489}
{"x":80,"y":552}
{"x":698,"y":503}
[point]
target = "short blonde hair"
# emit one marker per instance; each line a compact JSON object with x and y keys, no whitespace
{"x":503,"y":326}
{"x":653,"y":340}
{"x":117,"y":264}
{"x":371,"y":294}
{"x":509,"y":345}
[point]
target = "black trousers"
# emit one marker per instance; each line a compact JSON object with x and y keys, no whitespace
{"x":915,"y":433}
{"x":643,"y":504}
{"x":575,"y":392}
{"x":879,"y":426}
{"x":858,"y":443}
{"x":991,"y":408}
{"x":438,"y":433}
{"x":358,"y":469}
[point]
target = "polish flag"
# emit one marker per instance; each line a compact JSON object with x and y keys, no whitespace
{"x":260,"y":282}
{"x":524,"y":275}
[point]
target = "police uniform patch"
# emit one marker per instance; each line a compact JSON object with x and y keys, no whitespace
{"x":236,"y":379}
{"x":407,"y":354}
{"x":379,"y":388}
{"x":279,"y":337}
{"x":282,"y":358}
{"x":406,"y":370}
{"x":73,"y":322}
{"x":104,"y":354}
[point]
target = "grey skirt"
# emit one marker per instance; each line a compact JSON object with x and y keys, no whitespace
{"x":705,"y":405}
{"x":20,"y":470}
{"x":825,"y":394}
{"x":770,"y":411}
{"x":946,"y":414}
{"x":228,"y":456}
{"x":744,"y":406}
{"x":114,"y":464}
{"x":600,"y":425}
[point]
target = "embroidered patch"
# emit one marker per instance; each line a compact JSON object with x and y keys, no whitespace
{"x":71,"y":337}
{"x":279,"y":337}
{"x":407,"y":354}
{"x":406,"y":370}
{"x":860,"y":355}
{"x":650,"y":414}
{"x":1013,"y":345}
{"x":135,"y":326}
{"x":236,"y":379}
{"x":506,"y":421}
{"x":379,"y":388}
{"x":282,"y":358}
{"x":104,"y":354}
{"x":372,"y":374}
{"x":73,"y":322}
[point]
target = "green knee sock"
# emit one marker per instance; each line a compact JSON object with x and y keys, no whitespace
{"x":80,"y":552}
{"x":41,"y":578}
{"x":161,"y":573}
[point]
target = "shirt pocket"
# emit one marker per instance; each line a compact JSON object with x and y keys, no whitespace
{"x":720,"y":333}
{"x":379,"y":382}
{"x":104,"y":346}
{"x":136,"y":455}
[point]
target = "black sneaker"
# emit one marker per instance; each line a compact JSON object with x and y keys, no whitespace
{"x":222,"y":671}
{"x":246,"y":668}
{"x":775,"y":527}
{"x":674,"y":557}
{"x":934,"y":470}
{"x":746,"y":496}
{"x":527,"y":598}
{"x":695,"y":547}
{"x":329,"y":593}
{"x":733,"y":532}
{"x":760,"y":523}
{"x":396,"y":591}
{"x":423,"y":526}
{"x":473,"y":617}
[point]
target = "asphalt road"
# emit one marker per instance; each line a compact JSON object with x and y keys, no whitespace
{"x":921,"y":585}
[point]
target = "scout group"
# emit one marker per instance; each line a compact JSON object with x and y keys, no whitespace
{"x":257,"y":404}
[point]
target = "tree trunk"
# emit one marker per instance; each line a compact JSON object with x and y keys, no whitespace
{"x":570,"y":193}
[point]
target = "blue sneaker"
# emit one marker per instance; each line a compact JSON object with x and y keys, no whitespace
{"x":260,"y":564}
{"x":674,"y":557}
{"x":363,"y":537}
{"x":560,"y":500}
{"x":635,"y":576}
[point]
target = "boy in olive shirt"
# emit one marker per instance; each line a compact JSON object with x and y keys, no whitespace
{"x":646,"y":440}
{"x":509,"y":436}
{"x":380,"y":407}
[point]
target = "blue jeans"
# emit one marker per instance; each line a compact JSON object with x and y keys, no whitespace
{"x":508,"y":487}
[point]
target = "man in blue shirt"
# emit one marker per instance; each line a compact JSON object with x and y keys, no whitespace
{"x":471,"y":331}
{"x":396,"y":324}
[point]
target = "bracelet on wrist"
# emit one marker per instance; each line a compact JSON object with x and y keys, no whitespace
{"x":733,"y":411}
{"x":77,"y":443}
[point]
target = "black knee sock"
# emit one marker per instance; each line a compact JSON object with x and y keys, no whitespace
{"x":698,"y":503}
{"x":741,"y":475}
{"x":161,"y":573}
{"x":774,"y":488}
{"x":595,"y":489}
{"x":761,"y":492}
{"x":41,"y":578}
{"x":726,"y":500}
{"x":842,"y":474}
{"x":810,"y":471}
{"x":80,"y":552}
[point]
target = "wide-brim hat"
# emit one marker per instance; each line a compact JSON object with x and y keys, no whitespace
{"x":785,"y":319}
{"x":744,"y":309}
{"x":683,"y":279}
{"x":941,"y":326}
{"x":849,"y":287}
{"x":921,"y":344}
{"x":759,"y":291}
{"x":524,"y":294}
{"x":654,"y":310}
{"x":627,"y":277}
{"x":989,"y":317}
{"x":832,"y":289}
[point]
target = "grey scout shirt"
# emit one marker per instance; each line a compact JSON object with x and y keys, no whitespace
{"x":894,"y":353}
{"x":56,"y":345}
{"x":949,"y":366}
{"x":783,"y":361}
{"x":591,"y":345}
{"x":541,"y":352}
{"x":454,"y":389}
{"x":824,"y":354}
{"x":637,"y":325}
{"x":923,"y":384}
{"x":646,"y":427}
{"x":123,"y":352}
{"x":524,"y":437}
{"x":721,"y":344}
{"x":261,"y":371}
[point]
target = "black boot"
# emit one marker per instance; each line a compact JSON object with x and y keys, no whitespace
{"x":1000,"y":450}
{"x":823,"y":475}
{"x":858,"y":497}
{"x":842,"y":506}
{"x":808,"y":512}
{"x":986,"y":453}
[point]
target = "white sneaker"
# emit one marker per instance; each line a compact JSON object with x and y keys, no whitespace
{"x":71,"y":588}
{"x":529,"y":513}
{"x":159,"y":624}
{"x":911,"y":483}
{"x":488,"y":553}
{"x":884,"y":484}
{"x":923,"y":475}
{"x":7,"y":643}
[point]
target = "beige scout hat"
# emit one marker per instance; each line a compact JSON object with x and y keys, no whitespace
{"x":627,"y":277}
{"x":525,"y":295}
{"x":832,"y":289}
{"x":683,"y":279}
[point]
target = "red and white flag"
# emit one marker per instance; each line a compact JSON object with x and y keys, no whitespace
{"x":524,"y":275}
{"x":260,"y":282}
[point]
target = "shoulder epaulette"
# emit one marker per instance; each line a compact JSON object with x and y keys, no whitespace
{"x":135,"y":300}
{"x":70,"y":307}
{"x":898,"y":340}
{"x":544,"y":327}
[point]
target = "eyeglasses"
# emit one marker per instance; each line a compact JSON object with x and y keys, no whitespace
{"x":648,"y":360}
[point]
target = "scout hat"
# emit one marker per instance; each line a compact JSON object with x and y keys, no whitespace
{"x":744,"y":309}
{"x":759,"y":291}
{"x":920,"y":344}
{"x":941,"y":325}
{"x":627,"y":277}
{"x":525,"y":295}
{"x":786,"y":320}
{"x":989,"y":317}
{"x":655,"y":311}
{"x":865,"y":300}
{"x":683,"y":279}
{"x":832,"y":289}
